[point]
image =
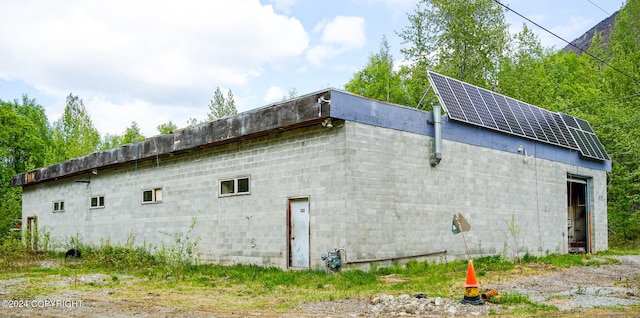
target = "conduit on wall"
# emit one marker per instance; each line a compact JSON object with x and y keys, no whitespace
{"x":393,"y":258}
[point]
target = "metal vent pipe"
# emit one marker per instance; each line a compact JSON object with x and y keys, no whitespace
{"x":437,"y":136}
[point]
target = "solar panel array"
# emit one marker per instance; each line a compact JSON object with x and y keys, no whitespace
{"x":481,"y":107}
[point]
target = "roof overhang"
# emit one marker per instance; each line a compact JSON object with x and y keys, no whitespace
{"x":299,"y":112}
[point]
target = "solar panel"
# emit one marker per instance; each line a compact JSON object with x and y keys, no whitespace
{"x":521,"y":117}
{"x":560,"y":136}
{"x":598,"y":144}
{"x":591,"y":145}
{"x":544,"y":124}
{"x":580,"y":139}
{"x":531,"y":118}
{"x":480,"y":106}
{"x":477,"y":106}
{"x":508,"y":114}
{"x":494,"y":111}
{"x":569,"y":120}
{"x":466,"y":105}
{"x":446,"y":94}
{"x":565,"y":131}
{"x":584,"y":125}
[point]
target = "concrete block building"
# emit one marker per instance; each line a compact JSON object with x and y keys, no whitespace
{"x":282,"y":184}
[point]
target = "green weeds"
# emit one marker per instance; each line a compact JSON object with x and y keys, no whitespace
{"x":568,"y":260}
{"x":183,"y":252}
{"x":120,"y":257}
{"x":518,"y":303}
{"x":176,"y":268}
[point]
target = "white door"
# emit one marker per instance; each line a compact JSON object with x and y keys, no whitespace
{"x":299,"y":233}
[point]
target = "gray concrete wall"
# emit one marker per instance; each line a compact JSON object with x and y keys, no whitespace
{"x":372,"y":192}
{"x":399,"y":205}
{"x":307,"y":162}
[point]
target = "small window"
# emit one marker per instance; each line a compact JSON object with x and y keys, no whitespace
{"x":151,"y":196}
{"x":235,"y":186}
{"x":58,"y":206}
{"x":97,"y":202}
{"x":227,"y":187}
{"x":243,"y":185}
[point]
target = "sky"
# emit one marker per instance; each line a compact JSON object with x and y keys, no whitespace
{"x":155,"y":61}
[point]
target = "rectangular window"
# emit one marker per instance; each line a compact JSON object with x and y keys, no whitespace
{"x":234,"y":186}
{"x":97,"y":202}
{"x":151,"y":196}
{"x":58,"y":206}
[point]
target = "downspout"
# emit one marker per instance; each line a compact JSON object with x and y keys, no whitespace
{"x":437,"y":136}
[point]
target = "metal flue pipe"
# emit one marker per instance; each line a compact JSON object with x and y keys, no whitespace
{"x":437,"y":136}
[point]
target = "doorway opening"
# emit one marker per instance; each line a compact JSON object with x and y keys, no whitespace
{"x":32,"y":233}
{"x":578,"y":215}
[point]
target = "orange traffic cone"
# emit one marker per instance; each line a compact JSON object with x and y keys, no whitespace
{"x":471,"y":286}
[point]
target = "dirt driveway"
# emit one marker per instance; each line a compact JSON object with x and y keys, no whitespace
{"x":576,"y":288}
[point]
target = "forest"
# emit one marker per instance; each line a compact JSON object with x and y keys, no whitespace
{"x":465,"y":39}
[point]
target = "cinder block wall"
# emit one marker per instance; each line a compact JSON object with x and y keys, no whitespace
{"x":306,"y":162}
{"x":399,"y":205}
{"x":371,"y":191}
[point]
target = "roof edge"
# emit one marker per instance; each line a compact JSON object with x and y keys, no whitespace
{"x":294,"y":113}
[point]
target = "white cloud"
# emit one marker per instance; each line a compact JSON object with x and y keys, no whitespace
{"x":147,"y":115}
{"x":149,"y":52}
{"x":319,"y":53}
{"x":283,"y":5}
{"x":396,"y":8}
{"x":345,"y":32}
{"x":274,"y":93}
{"x":338,"y":36}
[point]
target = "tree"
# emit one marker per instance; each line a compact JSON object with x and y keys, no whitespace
{"x":167,"y":128}
{"x":132,"y":134}
{"x":74,"y":134}
{"x":10,"y":201}
{"x":192,"y":121}
{"x":625,"y":50}
{"x":24,"y":137}
{"x":110,"y":141}
{"x":621,"y":130}
{"x":555,"y":80}
{"x":293,"y":92}
{"x":523,"y":65}
{"x":24,"y":134}
{"x":220,"y":106}
{"x":463,"y":39}
{"x":378,"y":80}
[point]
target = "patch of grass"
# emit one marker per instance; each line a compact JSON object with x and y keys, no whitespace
{"x":560,"y":296}
{"x":562,"y":261}
{"x":517,"y":303}
{"x":14,"y":255}
{"x":568,"y":260}
{"x":511,"y":299}
{"x":493,"y":263}
{"x":119,"y":257}
{"x":258,"y":287}
{"x":633,"y":251}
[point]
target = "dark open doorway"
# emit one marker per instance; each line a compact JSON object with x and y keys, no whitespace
{"x":578,"y":216}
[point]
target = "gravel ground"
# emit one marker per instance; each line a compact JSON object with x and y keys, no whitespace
{"x":582,"y":286}
{"x":576,"y":288}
